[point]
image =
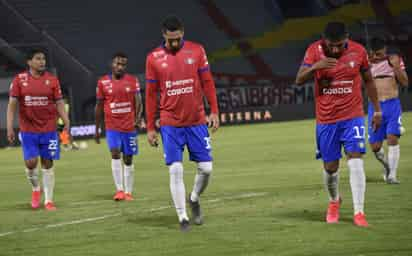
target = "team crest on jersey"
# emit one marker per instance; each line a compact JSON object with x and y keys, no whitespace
{"x":47,"y":82}
{"x":189,"y":61}
{"x":164,"y":65}
{"x":24,"y":83}
{"x":352,"y":64}
{"x":127,"y":89}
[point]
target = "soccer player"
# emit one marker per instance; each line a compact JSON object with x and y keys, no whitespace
{"x":118,"y":96}
{"x":38,"y":96}
{"x":179,"y":71}
{"x":387,"y":70}
{"x":338,"y":65}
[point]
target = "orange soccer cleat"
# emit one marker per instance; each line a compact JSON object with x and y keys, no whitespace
{"x":360,"y":220}
{"x":120,"y":195}
{"x":35,"y":199}
{"x":50,"y":206}
{"x":128,"y":197}
{"x":332,"y":215}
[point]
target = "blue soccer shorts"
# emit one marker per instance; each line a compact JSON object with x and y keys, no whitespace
{"x":391,"y":120}
{"x":331,"y":137}
{"x":126,"y":142}
{"x":43,"y":144}
{"x":196,"y":138}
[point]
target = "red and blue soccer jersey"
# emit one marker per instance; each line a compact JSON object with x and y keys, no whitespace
{"x":119,"y":101}
{"x":182,"y":78}
{"x":37,"y":98}
{"x":341,"y":99}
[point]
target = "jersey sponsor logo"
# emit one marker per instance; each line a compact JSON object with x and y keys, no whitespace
{"x":120,"y":107}
{"x":36,"y":100}
{"x":170,"y":84}
{"x":178,"y":91}
{"x":337,"y":91}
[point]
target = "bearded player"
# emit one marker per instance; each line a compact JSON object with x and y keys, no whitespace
{"x":338,"y":66}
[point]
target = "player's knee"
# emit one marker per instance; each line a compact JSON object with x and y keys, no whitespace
{"x":392,"y":140}
{"x":31,"y":164}
{"x":376,"y":147}
{"x":205,"y":167}
{"x":115,"y":153}
{"x":331,"y":167}
{"x":176,"y":168}
{"x":46,"y":163}
{"x":128,"y":160}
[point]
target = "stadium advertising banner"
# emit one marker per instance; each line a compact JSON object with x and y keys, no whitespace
{"x":248,"y":99}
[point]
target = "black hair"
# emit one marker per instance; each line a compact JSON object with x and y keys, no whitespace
{"x":34,"y":51}
{"x":335,"y":31}
{"x":119,"y":55}
{"x":172,"y":23}
{"x":377,"y":43}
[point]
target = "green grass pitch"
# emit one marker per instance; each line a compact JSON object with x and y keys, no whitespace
{"x":266,"y":197}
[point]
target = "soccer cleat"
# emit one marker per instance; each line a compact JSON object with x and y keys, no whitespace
{"x":35,"y":199}
{"x":120,"y":195}
{"x":332,"y":215}
{"x":196,"y":211}
{"x":128,"y":197}
{"x":392,"y":181}
{"x":50,"y":206}
{"x":185,"y":225}
{"x":360,"y":220}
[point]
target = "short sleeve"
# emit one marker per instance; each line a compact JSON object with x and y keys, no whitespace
{"x":15,"y":88}
{"x":364,"y":63}
{"x":99,"y":91}
{"x":203,"y":63}
{"x":57,"y":92}
{"x":150,"y":71}
{"x":309,"y":58}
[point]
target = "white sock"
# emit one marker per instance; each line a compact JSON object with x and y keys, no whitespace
{"x":177,"y":189}
{"x":332,"y":184}
{"x":117,"y":174}
{"x":128,"y":178}
{"x":33,"y":177}
{"x":48,"y":184}
{"x":204,"y":170}
{"x":393,"y":160}
{"x":380,"y":155}
{"x":357,"y":183}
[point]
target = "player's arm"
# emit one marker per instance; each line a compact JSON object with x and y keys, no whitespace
{"x":61,"y":110}
{"x":11,"y":111}
{"x":372,"y":93}
{"x":209,"y":90}
{"x":307,"y":70}
{"x":139,"y":109}
{"x":152,"y":85}
{"x":98,"y":111}
{"x":399,"y":70}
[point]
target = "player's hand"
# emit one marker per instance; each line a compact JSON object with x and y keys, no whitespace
{"x":394,"y":60}
{"x":213,"y":122}
{"x":11,"y":136}
{"x":138,"y":123}
{"x":97,"y":137}
{"x":152,"y":138}
{"x":325,"y":63}
{"x":376,"y":120}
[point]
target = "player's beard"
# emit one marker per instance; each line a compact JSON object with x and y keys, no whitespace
{"x":174,"y":44}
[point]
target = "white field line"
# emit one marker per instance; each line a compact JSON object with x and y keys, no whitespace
{"x":107,"y":216}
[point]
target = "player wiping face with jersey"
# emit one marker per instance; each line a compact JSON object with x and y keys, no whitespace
{"x":388,"y":70}
{"x":338,"y":66}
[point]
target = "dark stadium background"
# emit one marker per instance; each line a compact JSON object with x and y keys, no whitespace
{"x":254,"y":47}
